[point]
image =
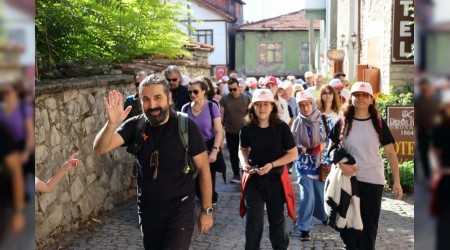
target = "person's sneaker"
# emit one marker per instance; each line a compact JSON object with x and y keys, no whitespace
{"x":305,"y":236}
{"x":236,"y":179}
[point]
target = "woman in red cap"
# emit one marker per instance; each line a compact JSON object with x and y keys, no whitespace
{"x":266,"y":146}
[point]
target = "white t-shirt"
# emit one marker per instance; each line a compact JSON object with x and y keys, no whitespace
{"x":334,"y":117}
{"x":36,"y":180}
{"x":364,"y":144}
{"x":283,"y":110}
{"x":224,"y":89}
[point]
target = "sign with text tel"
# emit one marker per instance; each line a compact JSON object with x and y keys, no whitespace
{"x":402,"y":32}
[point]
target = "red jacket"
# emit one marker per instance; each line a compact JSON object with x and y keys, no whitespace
{"x":288,"y":193}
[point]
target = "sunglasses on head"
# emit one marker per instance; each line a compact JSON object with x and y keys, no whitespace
{"x":232,"y":89}
{"x":172,"y":80}
{"x":193,"y":91}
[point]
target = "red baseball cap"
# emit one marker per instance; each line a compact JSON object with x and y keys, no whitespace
{"x":270,"y":79}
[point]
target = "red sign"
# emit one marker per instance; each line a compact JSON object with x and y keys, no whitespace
{"x":220,"y":71}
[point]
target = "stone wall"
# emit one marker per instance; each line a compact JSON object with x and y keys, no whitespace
{"x":69,"y":114}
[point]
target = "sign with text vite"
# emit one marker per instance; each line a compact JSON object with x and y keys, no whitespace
{"x":400,"y":120}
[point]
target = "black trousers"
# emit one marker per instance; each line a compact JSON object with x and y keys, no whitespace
{"x":233,"y":148}
{"x":370,"y":197}
{"x":254,"y":225}
{"x":168,"y":228}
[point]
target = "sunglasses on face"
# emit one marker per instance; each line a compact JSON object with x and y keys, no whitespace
{"x":172,"y":80}
{"x":327,"y":93}
{"x":195,"y":92}
{"x":231,"y":90}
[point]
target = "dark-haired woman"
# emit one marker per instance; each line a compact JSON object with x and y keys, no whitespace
{"x":266,"y":146}
{"x":206,"y":115}
{"x":362,"y":131}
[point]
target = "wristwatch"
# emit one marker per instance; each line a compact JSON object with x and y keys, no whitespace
{"x":208,"y":210}
{"x":216,"y":148}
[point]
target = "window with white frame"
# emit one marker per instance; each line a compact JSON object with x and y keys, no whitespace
{"x":304,"y":53}
{"x":270,"y":52}
{"x":204,"y":36}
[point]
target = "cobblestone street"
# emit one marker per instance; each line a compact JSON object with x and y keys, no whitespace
{"x":118,"y":229}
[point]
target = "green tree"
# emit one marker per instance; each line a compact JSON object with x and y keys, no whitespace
{"x":112,"y":30}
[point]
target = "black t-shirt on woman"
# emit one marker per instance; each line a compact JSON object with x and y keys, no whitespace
{"x":267,"y":145}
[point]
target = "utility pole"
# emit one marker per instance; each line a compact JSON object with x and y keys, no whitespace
{"x":311,"y":45}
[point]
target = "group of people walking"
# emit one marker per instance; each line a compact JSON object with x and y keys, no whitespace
{"x":263,"y":137}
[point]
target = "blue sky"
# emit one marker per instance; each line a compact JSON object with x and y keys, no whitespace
{"x":255,"y":10}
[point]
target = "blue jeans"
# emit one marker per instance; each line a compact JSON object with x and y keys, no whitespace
{"x":311,"y":202}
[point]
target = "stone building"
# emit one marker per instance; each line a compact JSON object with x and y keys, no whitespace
{"x":374,"y":36}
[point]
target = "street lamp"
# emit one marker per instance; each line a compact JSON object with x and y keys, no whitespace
{"x":353,"y":38}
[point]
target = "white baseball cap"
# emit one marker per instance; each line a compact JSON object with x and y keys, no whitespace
{"x":346,"y":94}
{"x":286,"y":85}
{"x":362,"y":87}
{"x":303,"y":96}
{"x":308,"y":74}
{"x":336,"y":83}
{"x":262,"y":95}
{"x":241,"y":82}
{"x":252,"y":80}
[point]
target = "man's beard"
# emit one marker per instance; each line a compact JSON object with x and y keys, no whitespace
{"x":158,"y":119}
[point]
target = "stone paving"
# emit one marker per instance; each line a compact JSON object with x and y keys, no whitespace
{"x":118,"y":229}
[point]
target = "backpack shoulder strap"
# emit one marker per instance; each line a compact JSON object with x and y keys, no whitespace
{"x":183,"y":128}
{"x":135,"y":146}
{"x":210,"y":106}
{"x":186,"y":107}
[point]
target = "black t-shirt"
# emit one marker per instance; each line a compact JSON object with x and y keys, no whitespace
{"x":171,"y":184}
{"x":267,"y":145}
{"x":7,"y":146}
{"x":440,"y":137}
{"x":180,"y":96}
{"x":386,"y":139}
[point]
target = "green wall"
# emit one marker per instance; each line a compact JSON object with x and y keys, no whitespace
{"x":247,"y":44}
{"x":437,"y":53}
